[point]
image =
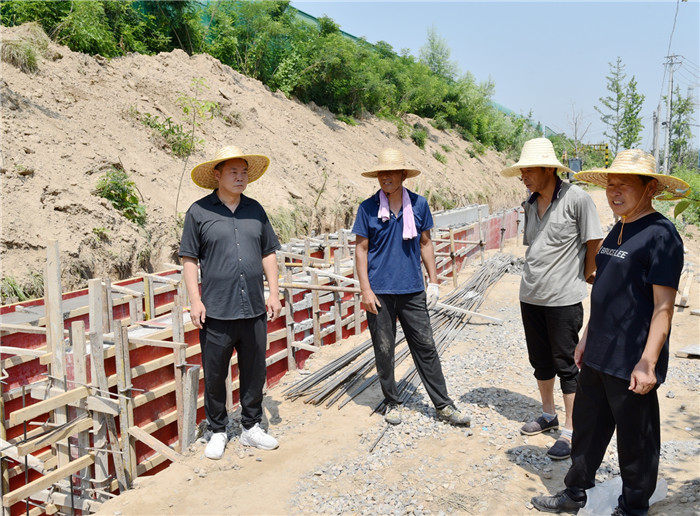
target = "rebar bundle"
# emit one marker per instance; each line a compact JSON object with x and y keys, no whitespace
{"x":355,"y":371}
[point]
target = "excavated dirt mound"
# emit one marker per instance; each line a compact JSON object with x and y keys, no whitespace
{"x":79,"y":116}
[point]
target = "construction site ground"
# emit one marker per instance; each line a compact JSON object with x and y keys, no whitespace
{"x":324,"y":463}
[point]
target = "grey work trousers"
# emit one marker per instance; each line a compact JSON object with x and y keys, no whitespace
{"x":412,"y":313}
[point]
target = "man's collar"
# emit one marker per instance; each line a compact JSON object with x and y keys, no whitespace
{"x":215,"y":198}
{"x":557,"y":191}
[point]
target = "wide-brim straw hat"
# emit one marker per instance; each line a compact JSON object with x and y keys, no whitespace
{"x":203,"y":174}
{"x":640,"y":163}
{"x":538,"y":152}
{"x":391,"y":159}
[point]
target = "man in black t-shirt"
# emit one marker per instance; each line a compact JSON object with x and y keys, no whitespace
{"x":623,"y":354}
{"x":230,"y":237}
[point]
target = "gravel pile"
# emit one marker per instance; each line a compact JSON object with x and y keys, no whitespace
{"x":483,"y":382}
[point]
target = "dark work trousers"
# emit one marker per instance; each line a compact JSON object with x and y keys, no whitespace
{"x":551,"y":333}
{"x":604,"y":402}
{"x":412,"y":312}
{"x":219,"y":338}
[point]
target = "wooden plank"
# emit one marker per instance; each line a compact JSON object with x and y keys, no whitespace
{"x":693,"y":350}
{"x":157,"y":343}
{"x":28,"y":413}
{"x":329,"y":288}
{"x":42,"y":391}
{"x":54,"y":436}
{"x":26,"y":491}
{"x":10,"y":350}
{"x":8,"y":450}
{"x":50,"y":496}
{"x":189,"y":409}
{"x":23,"y":328}
{"x":155,"y":444}
{"x":684,"y":289}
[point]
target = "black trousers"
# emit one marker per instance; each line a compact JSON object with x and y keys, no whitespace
{"x":603,"y":402}
{"x":412,"y":312}
{"x":551,"y":333}
{"x":218,"y":339}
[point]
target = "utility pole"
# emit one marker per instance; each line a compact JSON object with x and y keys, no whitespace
{"x":655,"y":141}
{"x":667,"y":147}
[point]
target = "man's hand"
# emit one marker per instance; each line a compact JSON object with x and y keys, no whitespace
{"x":370,"y":302}
{"x":643,"y":378}
{"x":198,"y":313}
{"x":578,"y":353}
{"x":274,"y":307}
{"x":432,"y":295}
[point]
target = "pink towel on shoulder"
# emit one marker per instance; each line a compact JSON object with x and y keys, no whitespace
{"x":409,"y":223}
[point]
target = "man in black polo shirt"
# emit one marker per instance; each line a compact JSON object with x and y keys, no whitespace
{"x":230,"y":237}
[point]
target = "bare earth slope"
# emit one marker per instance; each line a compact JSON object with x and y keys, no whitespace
{"x":67,"y":124}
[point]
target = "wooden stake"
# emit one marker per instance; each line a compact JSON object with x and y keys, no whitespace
{"x":126,"y":416}
{"x":452,"y":256}
{"x":179,"y":360}
{"x":338,"y":306}
{"x":54,"y":336}
{"x":149,"y":298}
{"x":356,"y":306}
{"x":107,"y":305}
{"x":106,"y":426}
{"x":80,"y":376}
{"x":99,"y":424}
{"x":3,"y":463}
{"x":315,"y":315}
{"x":289,"y":322}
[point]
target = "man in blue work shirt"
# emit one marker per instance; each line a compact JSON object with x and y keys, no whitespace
{"x":393,"y":236}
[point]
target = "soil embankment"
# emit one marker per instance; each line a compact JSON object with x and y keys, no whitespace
{"x":79,"y":116}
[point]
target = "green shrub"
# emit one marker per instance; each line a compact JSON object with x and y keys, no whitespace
{"x":101,"y":234}
{"x":688,"y":209}
{"x":440,"y":157}
{"x":419,"y":135}
{"x":20,"y":54}
{"x":446,"y":148}
{"x":12,"y":291}
{"x":117,"y":188}
{"x":347,"y":119}
{"x":440,"y":122}
{"x":180,"y":142}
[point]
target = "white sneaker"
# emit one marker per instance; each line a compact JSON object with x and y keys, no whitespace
{"x":257,"y":438}
{"x":217,"y":445}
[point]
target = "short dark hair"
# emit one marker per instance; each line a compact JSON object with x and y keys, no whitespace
{"x":645,"y":179}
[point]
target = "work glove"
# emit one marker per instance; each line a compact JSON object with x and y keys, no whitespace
{"x":432,"y":295}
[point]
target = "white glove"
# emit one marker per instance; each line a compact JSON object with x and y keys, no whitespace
{"x":432,"y":295}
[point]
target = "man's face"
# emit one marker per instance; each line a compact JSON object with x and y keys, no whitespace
{"x":626,"y":193}
{"x":390,"y":180}
{"x":538,"y":178}
{"x":232,"y":176}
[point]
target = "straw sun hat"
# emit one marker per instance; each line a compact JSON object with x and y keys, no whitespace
{"x":538,"y":152}
{"x":391,"y":159}
{"x":203,"y":174}
{"x":637,"y":162}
